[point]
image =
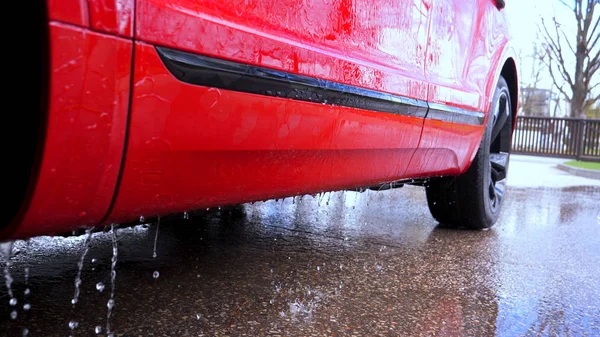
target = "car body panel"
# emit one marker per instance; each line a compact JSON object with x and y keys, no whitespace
{"x":73,"y":12}
{"x":465,"y":54}
{"x":351,"y":45}
{"x":112,"y":16}
{"x":88,"y":103}
{"x":233,"y":147}
{"x":169,"y":144}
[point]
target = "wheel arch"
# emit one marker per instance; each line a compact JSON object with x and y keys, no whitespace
{"x":509,"y":72}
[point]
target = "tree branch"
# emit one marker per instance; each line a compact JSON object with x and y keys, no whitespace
{"x":554,"y":47}
{"x":556,"y":83}
{"x":591,"y":45}
{"x":590,"y":101}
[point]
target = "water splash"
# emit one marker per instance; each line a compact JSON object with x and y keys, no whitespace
{"x":100,"y":286}
{"x":156,"y":237}
{"x":86,"y":248}
{"x":98,"y":329}
{"x":6,"y":249}
{"x":113,"y":275}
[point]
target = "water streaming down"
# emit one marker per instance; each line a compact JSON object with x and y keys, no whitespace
{"x":113,"y":275}
{"x":156,"y":237}
{"x":6,"y":252}
{"x":27,"y":291}
{"x":86,"y":248}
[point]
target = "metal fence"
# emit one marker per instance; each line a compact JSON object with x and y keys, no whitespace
{"x":558,"y":137}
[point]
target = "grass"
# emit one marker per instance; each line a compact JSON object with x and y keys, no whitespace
{"x":584,"y":165}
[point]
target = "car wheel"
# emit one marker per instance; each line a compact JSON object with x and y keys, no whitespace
{"x":474,"y":199}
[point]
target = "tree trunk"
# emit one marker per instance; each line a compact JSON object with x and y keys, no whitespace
{"x":577,"y":103}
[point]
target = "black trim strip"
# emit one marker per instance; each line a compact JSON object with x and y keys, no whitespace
{"x":454,"y":115}
{"x":228,"y":75}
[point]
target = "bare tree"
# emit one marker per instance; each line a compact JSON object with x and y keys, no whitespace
{"x":562,"y":47}
{"x":530,"y":95}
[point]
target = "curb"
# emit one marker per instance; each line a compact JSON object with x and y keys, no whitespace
{"x":592,"y":174}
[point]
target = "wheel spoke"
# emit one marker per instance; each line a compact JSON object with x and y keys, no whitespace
{"x":499,"y":162}
{"x":492,"y":191}
{"x":500,"y":117}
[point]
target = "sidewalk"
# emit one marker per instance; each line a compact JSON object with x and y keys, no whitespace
{"x":530,"y":171}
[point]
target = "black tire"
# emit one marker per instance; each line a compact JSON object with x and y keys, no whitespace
{"x":474,"y":199}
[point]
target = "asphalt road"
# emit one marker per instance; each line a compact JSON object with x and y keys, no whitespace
{"x":370,"y":264}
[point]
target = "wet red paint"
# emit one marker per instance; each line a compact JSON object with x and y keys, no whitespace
{"x":191,"y":146}
{"x":378,"y":45}
{"x":233,"y":147}
{"x":74,"y":12}
{"x":112,"y":16}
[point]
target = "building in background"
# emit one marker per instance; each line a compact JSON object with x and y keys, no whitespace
{"x":543,"y":103}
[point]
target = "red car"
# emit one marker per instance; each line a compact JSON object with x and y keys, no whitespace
{"x":155,"y":107}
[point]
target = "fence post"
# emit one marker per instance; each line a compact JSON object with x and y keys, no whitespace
{"x":580,"y":138}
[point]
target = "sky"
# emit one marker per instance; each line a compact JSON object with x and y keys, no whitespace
{"x":525,"y":17}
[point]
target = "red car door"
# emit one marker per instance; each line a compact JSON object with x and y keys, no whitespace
{"x":464,"y":50}
{"x":208,"y":128}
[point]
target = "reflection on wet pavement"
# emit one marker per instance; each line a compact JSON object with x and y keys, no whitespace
{"x":363,"y":264}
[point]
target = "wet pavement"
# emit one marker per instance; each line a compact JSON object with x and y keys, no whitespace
{"x":358,"y":264}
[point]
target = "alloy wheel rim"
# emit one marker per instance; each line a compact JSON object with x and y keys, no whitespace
{"x":498,"y":156}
